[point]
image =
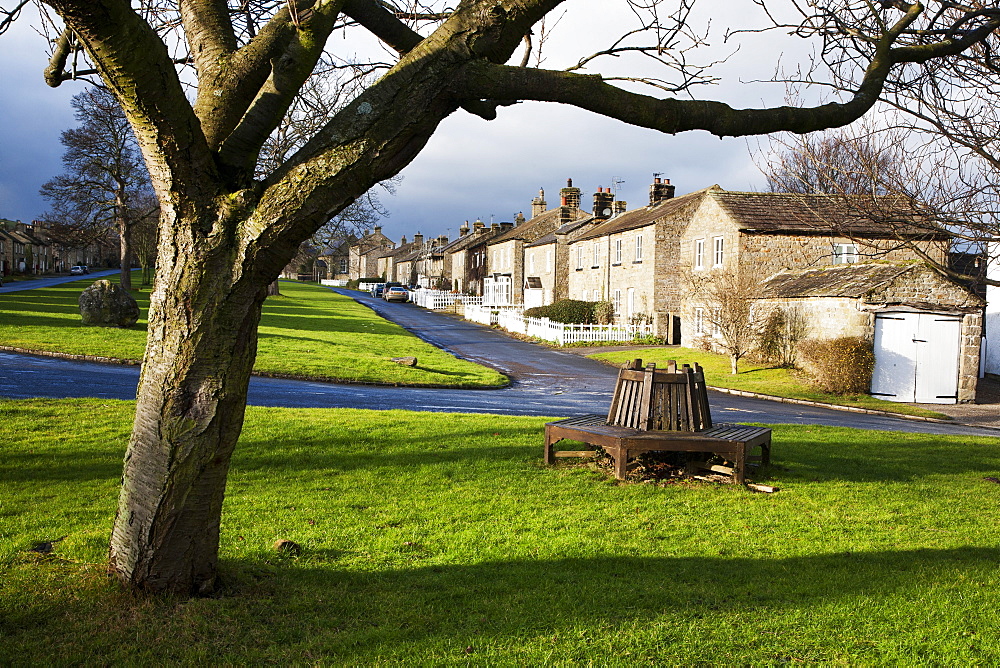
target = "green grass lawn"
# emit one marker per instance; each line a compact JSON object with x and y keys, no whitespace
{"x":759,"y":378}
{"x":432,"y":539}
{"x":307,"y":331}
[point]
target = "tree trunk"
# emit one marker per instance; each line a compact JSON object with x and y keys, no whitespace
{"x":191,"y":401}
{"x":273,"y":289}
{"x":734,"y":364}
{"x":125,"y":274}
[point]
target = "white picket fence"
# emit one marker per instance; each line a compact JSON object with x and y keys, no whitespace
{"x":334,"y":282}
{"x":440,"y":300}
{"x":513,"y":320}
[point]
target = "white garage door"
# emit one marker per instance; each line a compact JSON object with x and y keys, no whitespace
{"x":916,"y":357}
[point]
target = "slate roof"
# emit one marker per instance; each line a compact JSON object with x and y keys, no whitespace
{"x":565,"y":229}
{"x":821,"y":214}
{"x":636,"y":218}
{"x":783,"y":213}
{"x":847,"y":280}
{"x":539,"y":226}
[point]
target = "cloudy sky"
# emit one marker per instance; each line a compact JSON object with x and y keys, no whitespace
{"x":471,"y":168}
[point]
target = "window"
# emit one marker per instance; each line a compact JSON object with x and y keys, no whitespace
{"x":699,"y":253}
{"x":579,"y":257}
{"x":531,"y":262}
{"x":343,"y":266}
{"x":845,"y":253}
{"x":699,"y":321}
{"x":718,"y":251}
{"x":618,"y":251}
{"x":638,"y":248}
{"x":597,"y":254}
{"x":548,"y":262}
{"x":716,"y":319}
{"x":617,"y":301}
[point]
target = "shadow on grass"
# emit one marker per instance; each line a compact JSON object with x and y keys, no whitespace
{"x":320,"y":613}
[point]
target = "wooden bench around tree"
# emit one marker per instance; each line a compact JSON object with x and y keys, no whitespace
{"x":660,"y":410}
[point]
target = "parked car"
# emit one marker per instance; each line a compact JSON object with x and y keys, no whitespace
{"x":378,"y":290}
{"x":79,"y":269}
{"x":397,"y":294}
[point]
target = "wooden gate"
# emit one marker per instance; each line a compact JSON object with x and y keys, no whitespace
{"x":917,"y":357}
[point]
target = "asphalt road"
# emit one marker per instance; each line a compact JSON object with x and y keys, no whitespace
{"x":546,"y":383}
{"x":49,"y":281}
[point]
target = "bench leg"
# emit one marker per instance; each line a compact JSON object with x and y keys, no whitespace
{"x":740,"y":464}
{"x":548,"y":447}
{"x":765,"y":453}
{"x":620,"y":456}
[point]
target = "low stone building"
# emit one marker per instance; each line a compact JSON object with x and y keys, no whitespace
{"x":926,"y":328}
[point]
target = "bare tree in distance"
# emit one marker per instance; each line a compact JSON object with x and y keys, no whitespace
{"x":728,"y":296}
{"x":105,"y":185}
{"x":909,"y":184}
{"x":226,"y":230}
{"x":935,"y":148}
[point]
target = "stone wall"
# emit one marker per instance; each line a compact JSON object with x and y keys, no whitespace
{"x":540,"y":262}
{"x":923,"y":285}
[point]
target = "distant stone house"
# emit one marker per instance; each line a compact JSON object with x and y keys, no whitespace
{"x":466,"y":257}
{"x":432,"y":270}
{"x":397,"y":264}
{"x":363,"y":254}
{"x":334,"y":261}
{"x":545,"y":264}
{"x":632,"y":259}
{"x":926,"y":327}
{"x":26,"y":249}
{"x":506,"y":282}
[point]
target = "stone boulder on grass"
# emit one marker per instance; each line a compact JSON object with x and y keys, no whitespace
{"x":107,"y":304}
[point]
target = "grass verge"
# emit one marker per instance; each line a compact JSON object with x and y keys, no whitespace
{"x":308,"y":331}
{"x":441,"y":539}
{"x":760,"y":378}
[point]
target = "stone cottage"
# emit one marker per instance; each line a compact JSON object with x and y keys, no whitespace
{"x":633,"y":259}
{"x":505,"y":283}
{"x":926,"y":327}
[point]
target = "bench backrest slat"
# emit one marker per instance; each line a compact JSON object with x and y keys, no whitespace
{"x":668,"y":399}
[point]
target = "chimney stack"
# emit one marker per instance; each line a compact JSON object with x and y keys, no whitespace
{"x":603,"y":203}
{"x":538,"y":204}
{"x":518,"y":219}
{"x":660,"y":190}
{"x":506,"y":225}
{"x":569,"y":195}
{"x":464,"y":229}
{"x":620,"y":206}
{"x":418,"y":238}
{"x":378,"y":229}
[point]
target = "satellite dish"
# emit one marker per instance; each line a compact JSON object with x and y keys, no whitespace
{"x":606,"y":212}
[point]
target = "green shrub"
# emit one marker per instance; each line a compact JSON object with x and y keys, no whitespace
{"x":604,"y":313}
{"x":569,"y":311}
{"x":839,"y":366}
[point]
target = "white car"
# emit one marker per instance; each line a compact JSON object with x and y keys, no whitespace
{"x":79,"y":269}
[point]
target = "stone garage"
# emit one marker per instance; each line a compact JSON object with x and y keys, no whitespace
{"x":927,"y":329}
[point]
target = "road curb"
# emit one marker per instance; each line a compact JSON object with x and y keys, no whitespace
{"x":849,"y":409}
{"x":259,"y":374}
